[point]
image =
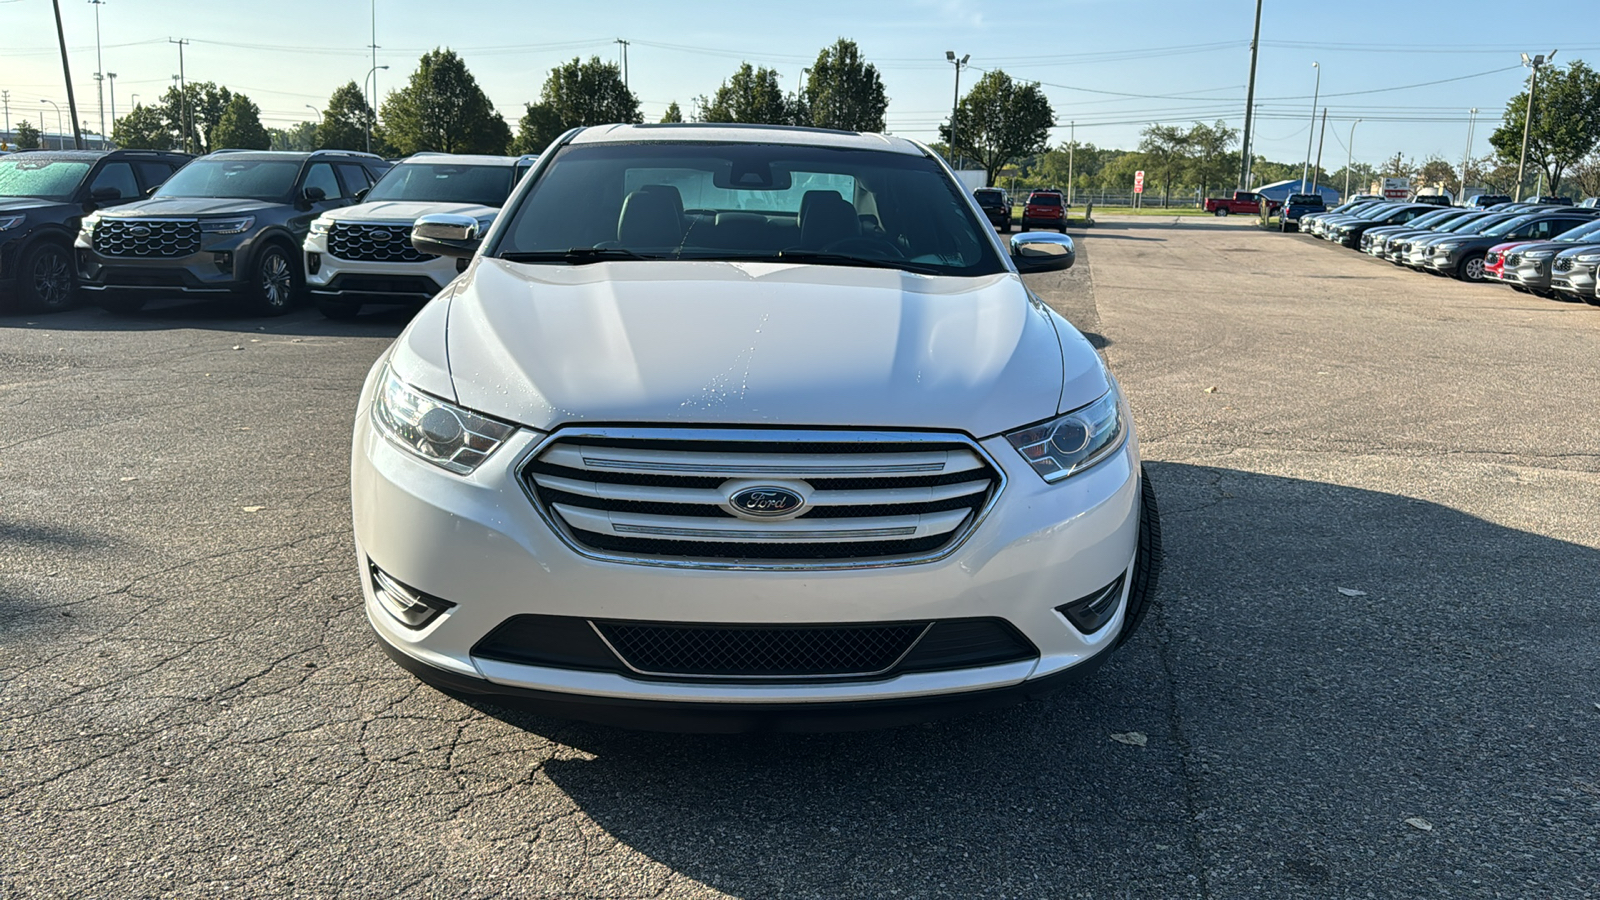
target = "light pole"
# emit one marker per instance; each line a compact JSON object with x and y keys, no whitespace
{"x":372,"y":113}
{"x":1249,"y":106}
{"x":1311,"y":129}
{"x":1527,"y":117}
{"x":955,"y":105}
{"x":61,"y":135}
{"x":1349,"y":159}
{"x":99,"y":68}
{"x":112,"y":90}
{"x":1071,"y":148}
{"x":1466,"y":156}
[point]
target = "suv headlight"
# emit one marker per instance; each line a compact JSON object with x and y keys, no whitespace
{"x":321,"y":226}
{"x":433,"y":430}
{"x":1538,"y":254}
{"x":1587,"y":258}
{"x":1447,"y":247}
{"x":227,"y":226}
{"x":9,"y":222}
{"x":1071,"y":443}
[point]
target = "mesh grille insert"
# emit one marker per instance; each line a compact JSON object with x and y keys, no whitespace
{"x":374,"y":243}
{"x":761,"y":652}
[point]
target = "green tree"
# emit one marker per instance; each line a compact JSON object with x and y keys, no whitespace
{"x":345,"y":121}
{"x":750,"y":95}
{"x":299,"y":137}
{"x":1566,"y":122}
{"x":844,"y":91}
{"x":1000,"y":121}
{"x":142,"y":129}
{"x":1166,"y":155}
{"x":673,"y":114}
{"x":442,"y":108}
{"x":1397,"y":166}
{"x":1435,"y":170}
{"x":240,"y":126}
{"x":205,"y":105}
{"x":1585,"y":175}
{"x":1362,"y":175}
{"x":1210,"y":163}
{"x":27,"y":136}
{"x":577,"y":94}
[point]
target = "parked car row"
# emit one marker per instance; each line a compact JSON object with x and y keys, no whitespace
{"x":1540,"y":248}
{"x":262,"y":227}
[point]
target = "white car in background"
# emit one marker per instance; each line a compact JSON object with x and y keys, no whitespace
{"x":362,"y":254}
{"x":742,"y":427}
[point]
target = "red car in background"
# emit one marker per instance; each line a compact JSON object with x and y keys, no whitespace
{"x":1045,"y":209}
{"x":1494,"y":262}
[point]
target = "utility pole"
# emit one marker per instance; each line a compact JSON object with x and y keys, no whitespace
{"x":1349,"y":160}
{"x":624,"y":51}
{"x":1311,"y":130}
{"x":1070,"y":150}
{"x":99,"y":67}
{"x":373,"y":74}
{"x":112,"y":90}
{"x":955,"y":105}
{"x":66,"y":71}
{"x":1316,"y":171}
{"x":1527,"y":117}
{"x":1245,"y":156}
{"x":1466,"y":157}
{"x":5,"y":100}
{"x":183,"y":95}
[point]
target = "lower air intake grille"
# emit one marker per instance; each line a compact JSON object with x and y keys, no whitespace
{"x":762,"y":652}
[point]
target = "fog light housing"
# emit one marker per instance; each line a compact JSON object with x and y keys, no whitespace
{"x":313,"y":263}
{"x":1091,"y":613}
{"x":409,"y":606}
{"x":224,"y":261}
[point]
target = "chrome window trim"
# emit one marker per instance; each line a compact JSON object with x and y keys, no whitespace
{"x":799,"y":435}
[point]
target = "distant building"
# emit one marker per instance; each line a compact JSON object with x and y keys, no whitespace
{"x":1280,"y":191}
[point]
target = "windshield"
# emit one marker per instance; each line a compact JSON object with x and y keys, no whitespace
{"x":1374,"y":211}
{"x":445,"y":183}
{"x":238,"y":179}
{"x":1466,"y":223}
{"x":1044,"y":200}
{"x":1304,"y":200}
{"x":47,"y":179}
{"x":1579,"y":233}
{"x":726,"y":201}
{"x":1435,"y":217}
{"x":1508,"y":226}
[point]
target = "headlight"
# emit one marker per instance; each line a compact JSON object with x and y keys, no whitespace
{"x":1588,"y":258}
{"x":1447,"y":247}
{"x":441,"y":433}
{"x":1073,"y":442}
{"x":321,"y":226}
{"x":9,"y":222}
{"x":227,"y":226}
{"x":1538,"y":254}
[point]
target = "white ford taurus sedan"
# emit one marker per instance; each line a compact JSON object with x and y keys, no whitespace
{"x":734,"y":427}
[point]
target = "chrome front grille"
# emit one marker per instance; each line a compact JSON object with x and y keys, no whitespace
{"x":162,"y":238}
{"x":1563,"y":264}
{"x":668,"y":497}
{"x":374,"y":243}
{"x":1514,"y":259}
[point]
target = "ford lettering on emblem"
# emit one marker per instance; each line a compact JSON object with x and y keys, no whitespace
{"x":139,"y":231}
{"x":765,"y":502}
{"x":379,"y":235}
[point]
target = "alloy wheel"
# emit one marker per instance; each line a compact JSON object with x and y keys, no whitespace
{"x":277,"y":281}
{"x":52,"y":279}
{"x":1473,"y":270}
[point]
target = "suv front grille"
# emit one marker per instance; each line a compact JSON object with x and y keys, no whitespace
{"x":1564,"y":264}
{"x":868,"y":498}
{"x":163,"y":238}
{"x":374,"y":243}
{"x":1514,"y":259}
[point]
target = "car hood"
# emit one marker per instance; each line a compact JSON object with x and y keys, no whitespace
{"x":24,"y":204}
{"x":755,"y":344}
{"x":407,"y":211}
{"x":1558,"y":246}
{"x":190,"y":206}
{"x":1581,"y":247}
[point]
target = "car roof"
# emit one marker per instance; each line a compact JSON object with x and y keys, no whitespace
{"x":462,"y":159}
{"x":723,"y":133}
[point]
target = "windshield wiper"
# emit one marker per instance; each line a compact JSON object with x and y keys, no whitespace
{"x":576,"y":256}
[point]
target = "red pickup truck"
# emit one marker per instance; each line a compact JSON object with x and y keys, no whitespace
{"x":1244,"y":202}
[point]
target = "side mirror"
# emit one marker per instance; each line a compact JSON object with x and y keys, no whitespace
{"x":100,"y":196}
{"x":362,"y":194}
{"x":1042,"y":251}
{"x":444,"y":234}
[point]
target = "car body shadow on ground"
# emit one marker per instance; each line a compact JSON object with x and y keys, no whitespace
{"x":213,"y":315}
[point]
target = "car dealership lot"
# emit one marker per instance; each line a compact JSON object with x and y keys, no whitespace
{"x":191,"y":700}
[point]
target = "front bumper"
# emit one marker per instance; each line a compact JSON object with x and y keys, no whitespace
{"x":363,"y":281}
{"x":479,"y":542}
{"x":217,"y":268}
{"x":1533,"y":274}
{"x":1579,"y":280}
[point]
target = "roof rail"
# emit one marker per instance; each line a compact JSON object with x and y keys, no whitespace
{"x":345,"y":153}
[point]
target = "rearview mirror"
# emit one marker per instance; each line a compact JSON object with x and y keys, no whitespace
{"x":443,"y":234}
{"x":1041,"y":251}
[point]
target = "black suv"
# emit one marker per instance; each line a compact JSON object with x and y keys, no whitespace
{"x":230,"y":223}
{"x":1488,"y":201}
{"x":44,"y":194}
{"x":996,"y":205}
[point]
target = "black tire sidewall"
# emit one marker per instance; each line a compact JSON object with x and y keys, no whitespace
{"x":1146,"y":564}
{"x":26,"y":264}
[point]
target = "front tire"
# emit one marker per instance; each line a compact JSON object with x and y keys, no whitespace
{"x":1471,"y":268}
{"x":274,"y":282}
{"x":46,"y":282}
{"x":1147,"y":561}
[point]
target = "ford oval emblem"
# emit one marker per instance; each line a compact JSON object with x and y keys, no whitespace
{"x":765,"y":501}
{"x":139,"y":231}
{"x":379,"y":236}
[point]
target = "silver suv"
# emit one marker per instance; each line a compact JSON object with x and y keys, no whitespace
{"x":229,"y":223}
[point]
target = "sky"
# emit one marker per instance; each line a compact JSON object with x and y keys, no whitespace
{"x":1410,"y":70}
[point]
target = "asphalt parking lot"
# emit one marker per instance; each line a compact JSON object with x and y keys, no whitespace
{"x":1371,"y":671}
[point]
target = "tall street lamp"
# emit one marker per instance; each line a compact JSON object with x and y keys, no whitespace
{"x":955,"y":105}
{"x":1311,"y":129}
{"x":372,"y":113}
{"x":61,"y":134}
{"x":1535,"y":64}
{"x":1350,"y":158}
{"x":99,"y":68}
{"x":112,"y":90}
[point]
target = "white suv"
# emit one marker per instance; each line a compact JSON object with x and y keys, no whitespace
{"x":362,"y":254}
{"x":734,"y":427}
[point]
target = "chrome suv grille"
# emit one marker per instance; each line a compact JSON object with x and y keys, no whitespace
{"x":374,"y":243}
{"x":164,"y":238}
{"x":755,"y":499}
{"x":1563,"y":265}
{"x":1514,"y":259}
